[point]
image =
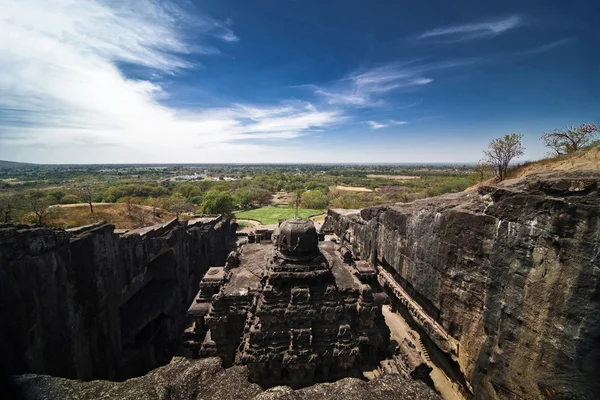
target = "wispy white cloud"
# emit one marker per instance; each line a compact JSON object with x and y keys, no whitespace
{"x":376,"y":125}
{"x":380,"y":125}
{"x":387,"y":78}
{"x":410,"y":105}
{"x":547,"y":47}
{"x":366,"y":88}
{"x":475,"y":30}
{"x":61,"y":88}
{"x":342,"y":96}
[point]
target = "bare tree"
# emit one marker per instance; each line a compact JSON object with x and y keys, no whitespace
{"x":482,"y":169}
{"x":156,"y":203}
{"x":501,"y":151}
{"x":571,"y":139}
{"x":86,"y":190}
{"x":130,"y":202}
{"x":141,"y":214}
{"x":178,"y":204}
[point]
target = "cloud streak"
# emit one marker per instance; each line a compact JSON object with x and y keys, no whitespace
{"x":366,"y":88}
{"x":61,"y":88}
{"x":475,"y":30}
{"x":546,"y":47}
{"x":380,"y":125}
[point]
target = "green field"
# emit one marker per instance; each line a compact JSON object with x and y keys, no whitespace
{"x":272,"y":215}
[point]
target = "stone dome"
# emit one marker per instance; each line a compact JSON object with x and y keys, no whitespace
{"x":298,"y":239}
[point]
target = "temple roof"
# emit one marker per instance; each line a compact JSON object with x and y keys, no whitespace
{"x":297,"y":239}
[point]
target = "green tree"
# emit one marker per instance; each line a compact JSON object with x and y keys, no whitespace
{"x":155,"y":203}
{"x":10,"y":208}
{"x":501,"y":151}
{"x":70,"y":199}
{"x":57,"y":195}
{"x":40,"y":205}
{"x":188,"y":190}
{"x":216,"y":202}
{"x":348,"y":200}
{"x":314,"y":199}
{"x":245,"y":197}
{"x":179,"y":204}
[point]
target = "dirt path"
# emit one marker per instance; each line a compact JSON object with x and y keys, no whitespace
{"x":84,"y":205}
{"x":400,"y":330}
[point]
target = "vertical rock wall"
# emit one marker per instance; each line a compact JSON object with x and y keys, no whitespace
{"x":92,"y":304}
{"x":512,"y":273}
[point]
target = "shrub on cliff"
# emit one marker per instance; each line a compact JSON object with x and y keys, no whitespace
{"x":501,"y":151}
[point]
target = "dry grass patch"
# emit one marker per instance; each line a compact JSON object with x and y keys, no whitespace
{"x":352,"y":188}
{"x":75,"y":215}
{"x":584,"y":159}
{"x":283,"y":198}
{"x":396,"y":177}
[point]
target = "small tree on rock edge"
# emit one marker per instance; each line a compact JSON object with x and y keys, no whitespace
{"x":571,"y":139}
{"x":178,"y":204}
{"x":501,"y":151}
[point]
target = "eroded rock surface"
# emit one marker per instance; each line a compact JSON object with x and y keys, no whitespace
{"x":92,"y":304}
{"x":194,"y":379}
{"x":510,"y":273}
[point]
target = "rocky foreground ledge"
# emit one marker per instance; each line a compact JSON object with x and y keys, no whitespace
{"x":191,"y":379}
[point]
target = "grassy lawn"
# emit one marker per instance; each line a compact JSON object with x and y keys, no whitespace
{"x":272,"y":215}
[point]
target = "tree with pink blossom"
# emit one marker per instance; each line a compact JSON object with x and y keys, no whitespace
{"x":570,"y":139}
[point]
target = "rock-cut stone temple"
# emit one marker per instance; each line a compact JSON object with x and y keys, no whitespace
{"x":291,"y":310}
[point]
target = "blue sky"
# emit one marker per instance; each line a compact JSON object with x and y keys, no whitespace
{"x":290,"y":81}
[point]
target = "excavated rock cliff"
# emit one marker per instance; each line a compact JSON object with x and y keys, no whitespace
{"x":190,"y":379}
{"x":89,"y":303}
{"x":504,"y":278}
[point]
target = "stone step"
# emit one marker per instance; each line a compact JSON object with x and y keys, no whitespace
{"x":424,"y":350}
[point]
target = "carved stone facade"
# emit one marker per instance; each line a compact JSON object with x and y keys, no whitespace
{"x":291,"y":310}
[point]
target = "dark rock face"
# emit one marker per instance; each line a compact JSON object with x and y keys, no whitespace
{"x":91,"y":304}
{"x":510,"y":273}
{"x":187,"y":379}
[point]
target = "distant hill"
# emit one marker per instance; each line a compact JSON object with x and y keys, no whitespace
{"x":15,"y":165}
